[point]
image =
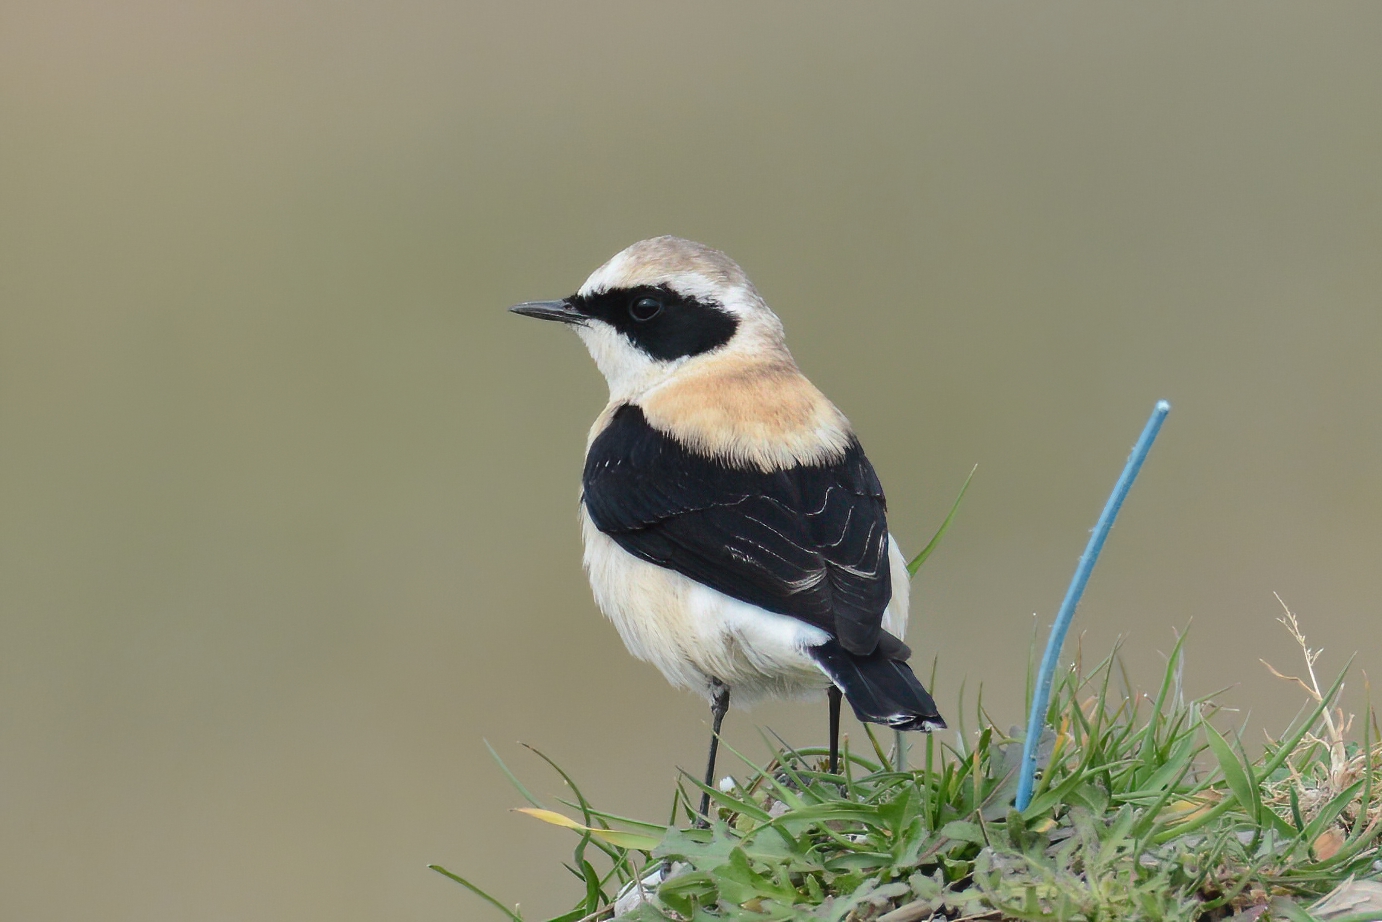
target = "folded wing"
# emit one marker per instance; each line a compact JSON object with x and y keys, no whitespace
{"x":809,"y":541}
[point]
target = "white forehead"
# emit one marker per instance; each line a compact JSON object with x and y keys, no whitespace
{"x":685,"y":266}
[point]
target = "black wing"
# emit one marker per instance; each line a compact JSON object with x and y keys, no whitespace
{"x":809,"y":541}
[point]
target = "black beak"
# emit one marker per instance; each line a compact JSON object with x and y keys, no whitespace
{"x":559,"y":311}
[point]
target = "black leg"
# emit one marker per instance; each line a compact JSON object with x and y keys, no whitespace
{"x":719,"y":704}
{"x":834,"y":694}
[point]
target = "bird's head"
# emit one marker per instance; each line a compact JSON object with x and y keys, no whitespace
{"x":661,"y":304}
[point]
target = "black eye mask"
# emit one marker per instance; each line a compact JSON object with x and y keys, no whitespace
{"x":659,"y":321}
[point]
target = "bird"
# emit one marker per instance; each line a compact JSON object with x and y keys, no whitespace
{"x":734,"y":531}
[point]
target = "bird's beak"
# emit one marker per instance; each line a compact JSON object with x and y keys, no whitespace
{"x":560,"y":311}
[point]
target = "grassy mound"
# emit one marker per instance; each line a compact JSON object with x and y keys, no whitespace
{"x":1144,"y":810}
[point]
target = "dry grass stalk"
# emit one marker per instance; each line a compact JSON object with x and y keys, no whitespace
{"x":1313,"y":787}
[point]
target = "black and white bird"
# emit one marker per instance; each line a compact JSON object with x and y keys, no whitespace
{"x":734,"y":531}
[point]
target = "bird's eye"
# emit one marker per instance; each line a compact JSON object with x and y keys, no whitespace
{"x":644,"y":308}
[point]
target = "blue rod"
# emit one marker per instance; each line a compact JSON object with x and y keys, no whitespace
{"x":1037,"y":720}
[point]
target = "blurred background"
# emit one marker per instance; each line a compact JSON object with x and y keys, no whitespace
{"x":288,"y":501}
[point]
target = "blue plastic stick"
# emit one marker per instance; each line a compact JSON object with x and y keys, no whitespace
{"x":1037,"y":720}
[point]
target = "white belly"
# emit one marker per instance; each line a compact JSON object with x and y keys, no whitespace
{"x":693,"y":633}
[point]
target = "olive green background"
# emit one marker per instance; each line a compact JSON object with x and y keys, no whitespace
{"x":288,"y":501}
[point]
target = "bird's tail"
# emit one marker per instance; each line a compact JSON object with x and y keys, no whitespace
{"x":881,"y":690}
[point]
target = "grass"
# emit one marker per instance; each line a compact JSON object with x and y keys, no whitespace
{"x":1148,"y":807}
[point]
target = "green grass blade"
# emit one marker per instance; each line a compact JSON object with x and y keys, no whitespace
{"x":917,"y":561}
{"x":513,"y":779}
{"x":477,"y":891}
{"x":583,"y":805}
{"x":733,"y":804}
{"x":877,"y":749}
{"x":641,"y":824}
{"x":1168,"y":681}
{"x":1237,"y":779}
{"x":1330,"y":811}
{"x":593,"y":893}
{"x":1295,"y":810}
{"x":784,"y":794}
{"x":576,"y":915}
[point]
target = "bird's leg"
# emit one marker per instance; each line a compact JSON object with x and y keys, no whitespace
{"x":719,"y":704}
{"x":834,"y":694}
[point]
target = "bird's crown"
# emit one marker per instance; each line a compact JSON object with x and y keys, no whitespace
{"x":691,"y":269}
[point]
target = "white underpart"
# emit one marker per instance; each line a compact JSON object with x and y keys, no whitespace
{"x":693,"y":633}
{"x":899,"y":607}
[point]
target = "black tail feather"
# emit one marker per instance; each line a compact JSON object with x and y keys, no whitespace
{"x":880,"y":689}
